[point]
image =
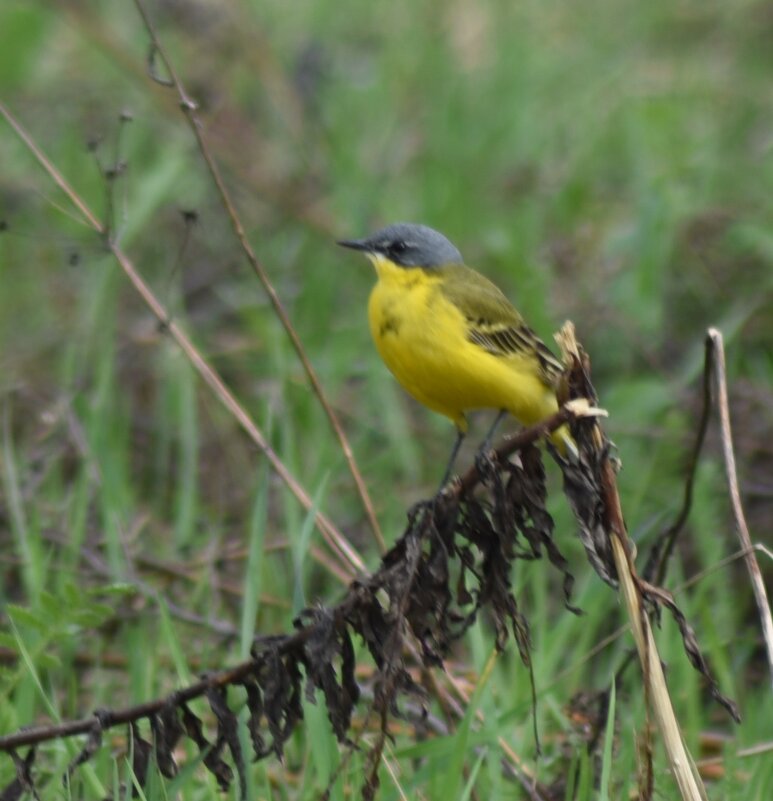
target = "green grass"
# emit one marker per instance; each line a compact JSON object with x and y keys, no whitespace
{"x":604,"y":162}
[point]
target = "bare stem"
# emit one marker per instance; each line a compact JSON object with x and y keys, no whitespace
{"x":335,"y":539}
{"x":188,"y":107}
{"x":715,"y":345}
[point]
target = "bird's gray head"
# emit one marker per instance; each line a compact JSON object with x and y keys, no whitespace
{"x":408,"y":245}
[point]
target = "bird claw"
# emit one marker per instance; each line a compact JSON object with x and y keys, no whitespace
{"x":486,"y":463}
{"x":434,"y":504}
{"x":420,"y":508}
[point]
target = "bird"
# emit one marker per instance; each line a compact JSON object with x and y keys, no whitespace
{"x":451,"y":337}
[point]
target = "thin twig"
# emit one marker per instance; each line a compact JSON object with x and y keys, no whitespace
{"x":335,"y":539}
{"x":109,"y":719}
{"x":657,"y":563}
{"x":282,"y":644}
{"x":189,"y":107}
{"x":715,"y":344}
{"x":720,"y":565}
{"x":742,"y":753}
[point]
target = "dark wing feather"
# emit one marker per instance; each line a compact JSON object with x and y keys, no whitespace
{"x":515,"y":341}
{"x":493,"y":323}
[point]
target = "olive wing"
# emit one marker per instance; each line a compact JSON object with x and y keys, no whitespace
{"x":493,"y":323}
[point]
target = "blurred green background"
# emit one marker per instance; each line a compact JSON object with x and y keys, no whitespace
{"x":605,"y":162}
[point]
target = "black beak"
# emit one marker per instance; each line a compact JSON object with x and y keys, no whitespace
{"x":354,"y":244}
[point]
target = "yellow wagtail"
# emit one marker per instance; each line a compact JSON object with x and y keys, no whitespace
{"x":450,"y":336}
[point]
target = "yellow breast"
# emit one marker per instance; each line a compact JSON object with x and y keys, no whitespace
{"x":422,"y":338}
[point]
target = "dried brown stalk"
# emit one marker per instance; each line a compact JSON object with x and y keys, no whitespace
{"x":188,"y":107}
{"x":335,"y":539}
{"x":715,"y":346}
{"x":682,"y":765}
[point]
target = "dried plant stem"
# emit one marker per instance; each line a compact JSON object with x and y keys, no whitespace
{"x":682,"y":765}
{"x":282,"y":644}
{"x":335,"y":539}
{"x":660,"y":555}
{"x":110,"y":718}
{"x":715,"y":345}
{"x":188,"y":107}
{"x":631,"y":589}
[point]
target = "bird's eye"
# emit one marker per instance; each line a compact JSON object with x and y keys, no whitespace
{"x":398,"y":246}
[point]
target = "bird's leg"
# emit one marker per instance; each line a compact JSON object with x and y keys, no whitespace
{"x":487,"y":442}
{"x":454,"y":453}
{"x":483,"y":462}
{"x":429,"y":505}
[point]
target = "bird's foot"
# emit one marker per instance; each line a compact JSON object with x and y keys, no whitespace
{"x":486,"y":463}
{"x":431,"y":506}
{"x":421,"y":508}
